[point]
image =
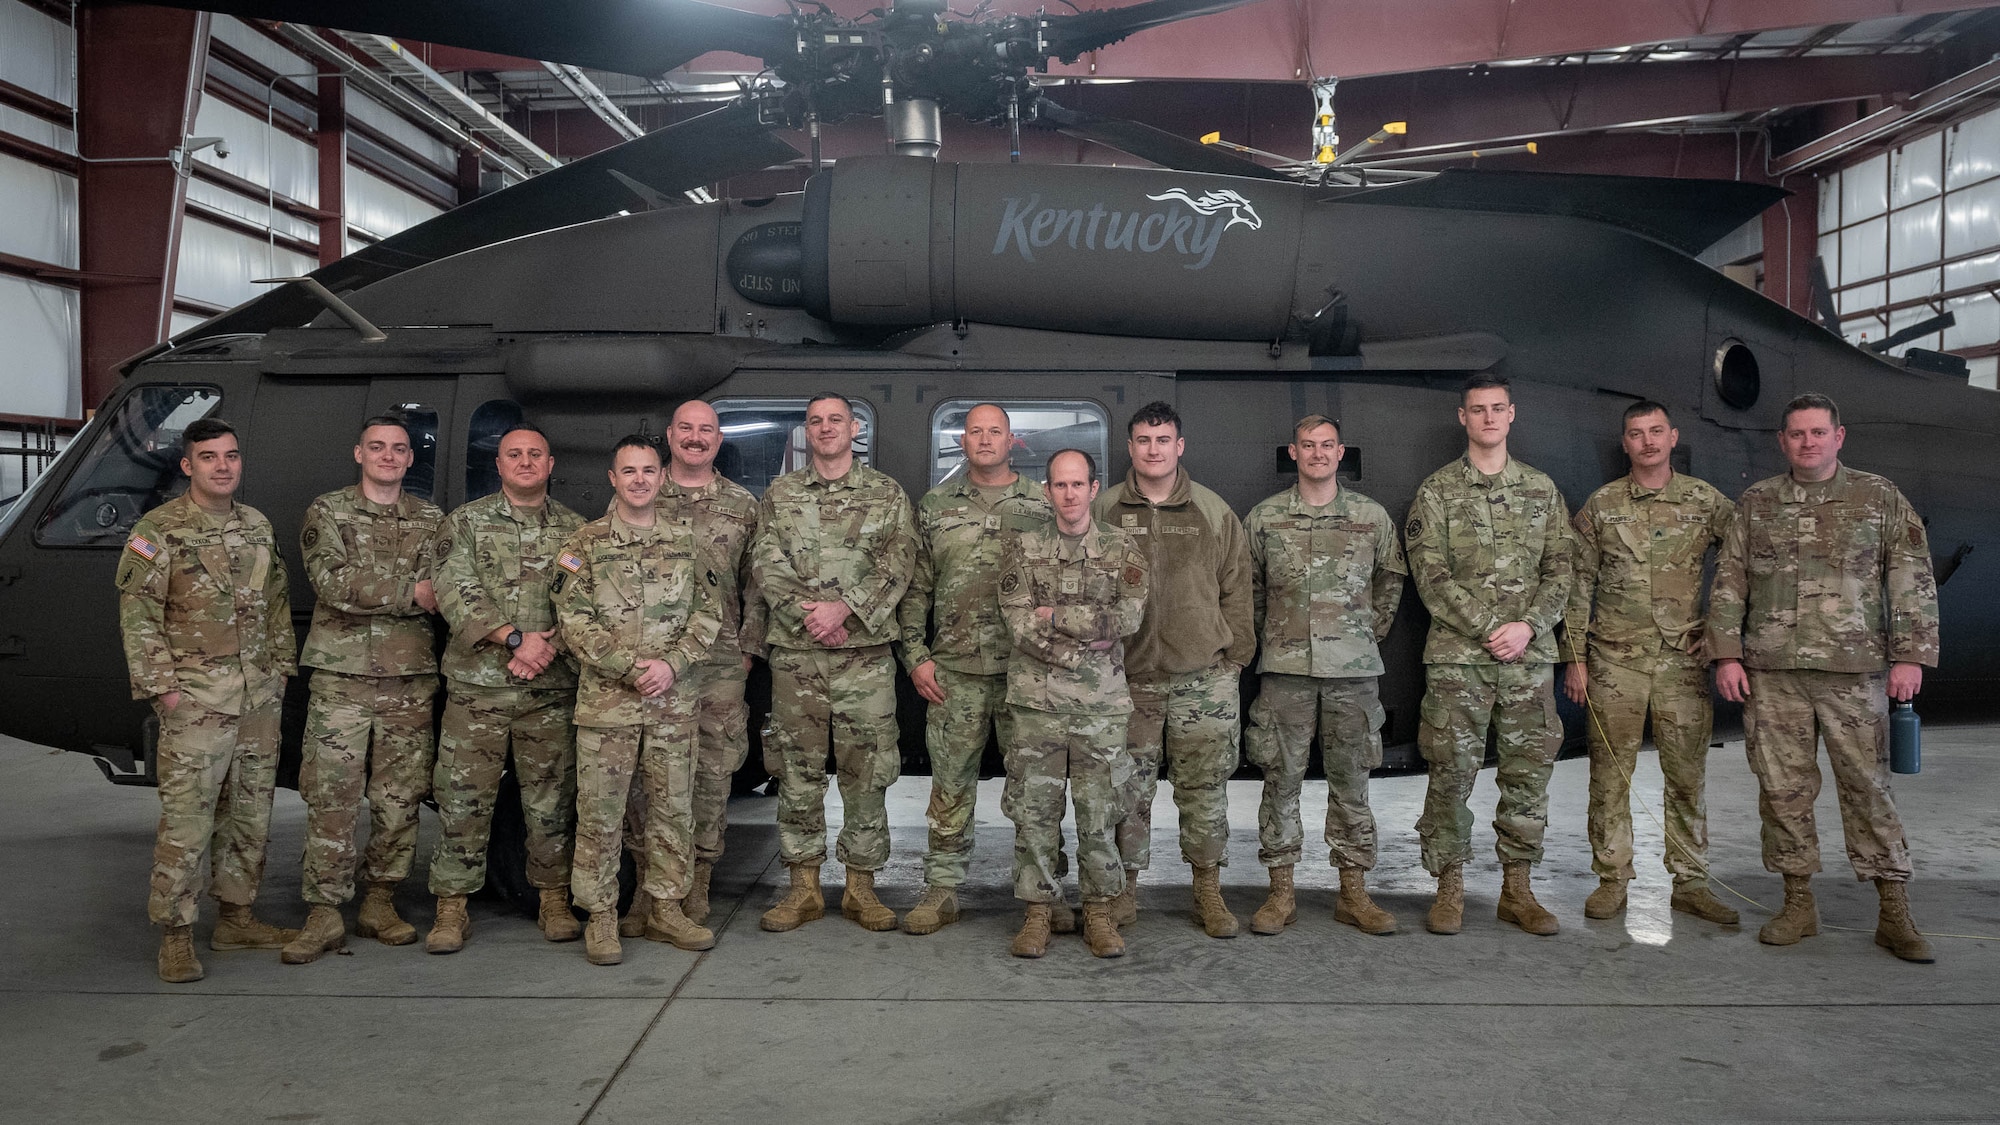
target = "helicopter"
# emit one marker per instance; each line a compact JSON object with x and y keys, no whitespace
{"x":589,"y":301}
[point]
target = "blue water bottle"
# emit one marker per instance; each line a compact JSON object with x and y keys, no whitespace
{"x":1906,"y":740}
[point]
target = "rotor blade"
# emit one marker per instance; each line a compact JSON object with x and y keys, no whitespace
{"x":1921,"y":328}
{"x":641,"y":37}
{"x":723,"y":143}
{"x":1166,"y":149}
{"x":1069,"y":37}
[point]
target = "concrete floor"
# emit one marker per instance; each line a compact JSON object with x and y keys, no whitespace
{"x":1650,"y":1017}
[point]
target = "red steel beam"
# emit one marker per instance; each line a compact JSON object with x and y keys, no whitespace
{"x":332,"y":140}
{"x":139,"y":82}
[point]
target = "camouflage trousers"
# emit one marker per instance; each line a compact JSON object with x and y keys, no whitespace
{"x":217,"y":772}
{"x":1677,"y":695}
{"x":1461,"y":703}
{"x":647,"y":773}
{"x":364,"y":732}
{"x":1046,"y":754}
{"x":724,"y":745}
{"x":1348,"y":712}
{"x":1788,"y":713}
{"x":480,"y":725}
{"x":843,"y":700}
{"x":1192,"y":721}
{"x":955,"y":735}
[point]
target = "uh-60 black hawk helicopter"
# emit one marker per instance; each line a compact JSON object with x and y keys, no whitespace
{"x":1072,"y":294}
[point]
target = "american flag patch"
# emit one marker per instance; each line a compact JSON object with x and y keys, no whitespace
{"x":142,"y":547}
{"x":569,"y":562}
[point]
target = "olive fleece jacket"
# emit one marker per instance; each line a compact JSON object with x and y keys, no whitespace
{"x":1198,"y":602}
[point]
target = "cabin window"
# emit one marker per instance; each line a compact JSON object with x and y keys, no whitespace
{"x":490,"y":422}
{"x":131,"y":465}
{"x":765,"y":438}
{"x":422,"y":422}
{"x":1041,"y":427}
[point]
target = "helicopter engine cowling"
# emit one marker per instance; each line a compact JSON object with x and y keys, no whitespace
{"x":904,"y":241}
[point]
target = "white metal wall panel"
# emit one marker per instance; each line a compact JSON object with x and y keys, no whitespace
{"x":1972,"y":219}
{"x":365,"y":109}
{"x":1983,"y":270}
{"x":251,"y":210}
{"x":259,"y":151}
{"x":1974,"y":150}
{"x":28,"y":127}
{"x":1864,"y":190}
{"x":37,"y":52}
{"x":217,"y":265}
{"x":41,"y":366}
{"x":184,"y":321}
{"x":228,"y":29}
{"x":38,"y":213}
{"x":1918,"y":168}
{"x":1978,"y":321}
{"x":1864,"y":250}
{"x":1984,"y":371}
{"x":381,"y":208}
{"x":1913,"y":236}
{"x":1829,"y":201}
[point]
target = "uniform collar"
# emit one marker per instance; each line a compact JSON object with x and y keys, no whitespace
{"x":1295,"y":503}
{"x":1792,"y":492}
{"x":202,"y":517}
{"x":405,"y":504}
{"x":849,"y":479}
{"x":1182,"y":494}
{"x":1672,"y":492}
{"x":1510,"y":473}
{"x":962,"y":486}
{"x":623,"y":532}
{"x":541,"y":519}
{"x":1093,"y":541}
{"x":670,"y":486}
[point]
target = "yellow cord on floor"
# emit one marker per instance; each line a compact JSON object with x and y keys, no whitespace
{"x":1590,"y":708}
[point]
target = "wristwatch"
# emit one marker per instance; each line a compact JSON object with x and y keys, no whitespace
{"x":513,"y":640}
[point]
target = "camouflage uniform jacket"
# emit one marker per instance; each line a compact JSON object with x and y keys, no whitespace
{"x":1639,"y":555}
{"x":1326,"y":583}
{"x":364,"y":561}
{"x":819,"y":540}
{"x":205,"y":607}
{"x":1485,"y":553}
{"x":494,"y":565}
{"x":1832,"y":577}
{"x":625,"y":594}
{"x":724,"y":516}
{"x":1096,"y":583}
{"x":1198,"y":568}
{"x":957,"y":573}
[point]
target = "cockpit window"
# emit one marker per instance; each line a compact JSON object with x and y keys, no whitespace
{"x":490,"y":423}
{"x":765,"y":438}
{"x":132,"y":465}
{"x":1041,"y":428}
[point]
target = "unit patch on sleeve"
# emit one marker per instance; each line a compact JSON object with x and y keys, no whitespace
{"x":569,"y":562}
{"x":143,"y":547}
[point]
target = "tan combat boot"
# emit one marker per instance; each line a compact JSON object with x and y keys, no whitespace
{"x":378,"y":918}
{"x":634,"y":922}
{"x":1281,"y":909}
{"x":667,"y":923}
{"x":859,"y":903}
{"x":1698,"y":900}
{"x":237,"y":928}
{"x":1355,"y":908}
{"x":933,"y":912}
{"x":557,"y":920}
{"x":325,"y":930}
{"x":695,"y":905}
{"x":600,"y":939}
{"x":1033,"y":940}
{"x":177,"y":962}
{"x":1607,"y":901}
{"x":452,"y":927}
{"x":1209,"y":909}
{"x":801,"y":904}
{"x":1447,"y":914}
{"x":1100,"y":932}
{"x":1062,"y":920}
{"x":1895,"y":931}
{"x":1798,"y":918}
{"x":1125,"y":908}
{"x":1517,"y":901}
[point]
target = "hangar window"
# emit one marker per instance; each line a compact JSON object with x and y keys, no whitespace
{"x":765,"y":438}
{"x":482,"y":445}
{"x":1736,"y":377}
{"x":131,"y":465}
{"x":1041,"y":427}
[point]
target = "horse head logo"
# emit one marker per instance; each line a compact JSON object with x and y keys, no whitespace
{"x":1215,"y":202}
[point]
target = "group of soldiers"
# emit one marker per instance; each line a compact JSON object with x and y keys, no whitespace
{"x":1097,"y":633}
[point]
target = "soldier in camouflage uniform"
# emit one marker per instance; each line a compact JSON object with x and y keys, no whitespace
{"x":1328,"y":572}
{"x":1186,"y":661}
{"x":206,"y":615}
{"x":367,"y":551}
{"x":1488,"y":543}
{"x":636,"y":605}
{"x":834,"y":550}
{"x":963,"y":525}
{"x":508,"y":686}
{"x":1640,"y":542}
{"x":1068,"y":594}
{"x":1824,"y":609}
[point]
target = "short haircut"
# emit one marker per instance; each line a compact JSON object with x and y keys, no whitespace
{"x":1482,"y":380}
{"x":1089,"y":462}
{"x":1155,"y":414}
{"x":635,"y":441}
{"x":1313,"y":422}
{"x":390,"y":419}
{"x":1644,"y":407}
{"x":205,"y":429}
{"x":994,"y":405}
{"x":836,"y":395}
{"x":530,"y":427}
{"x":1811,"y":400}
